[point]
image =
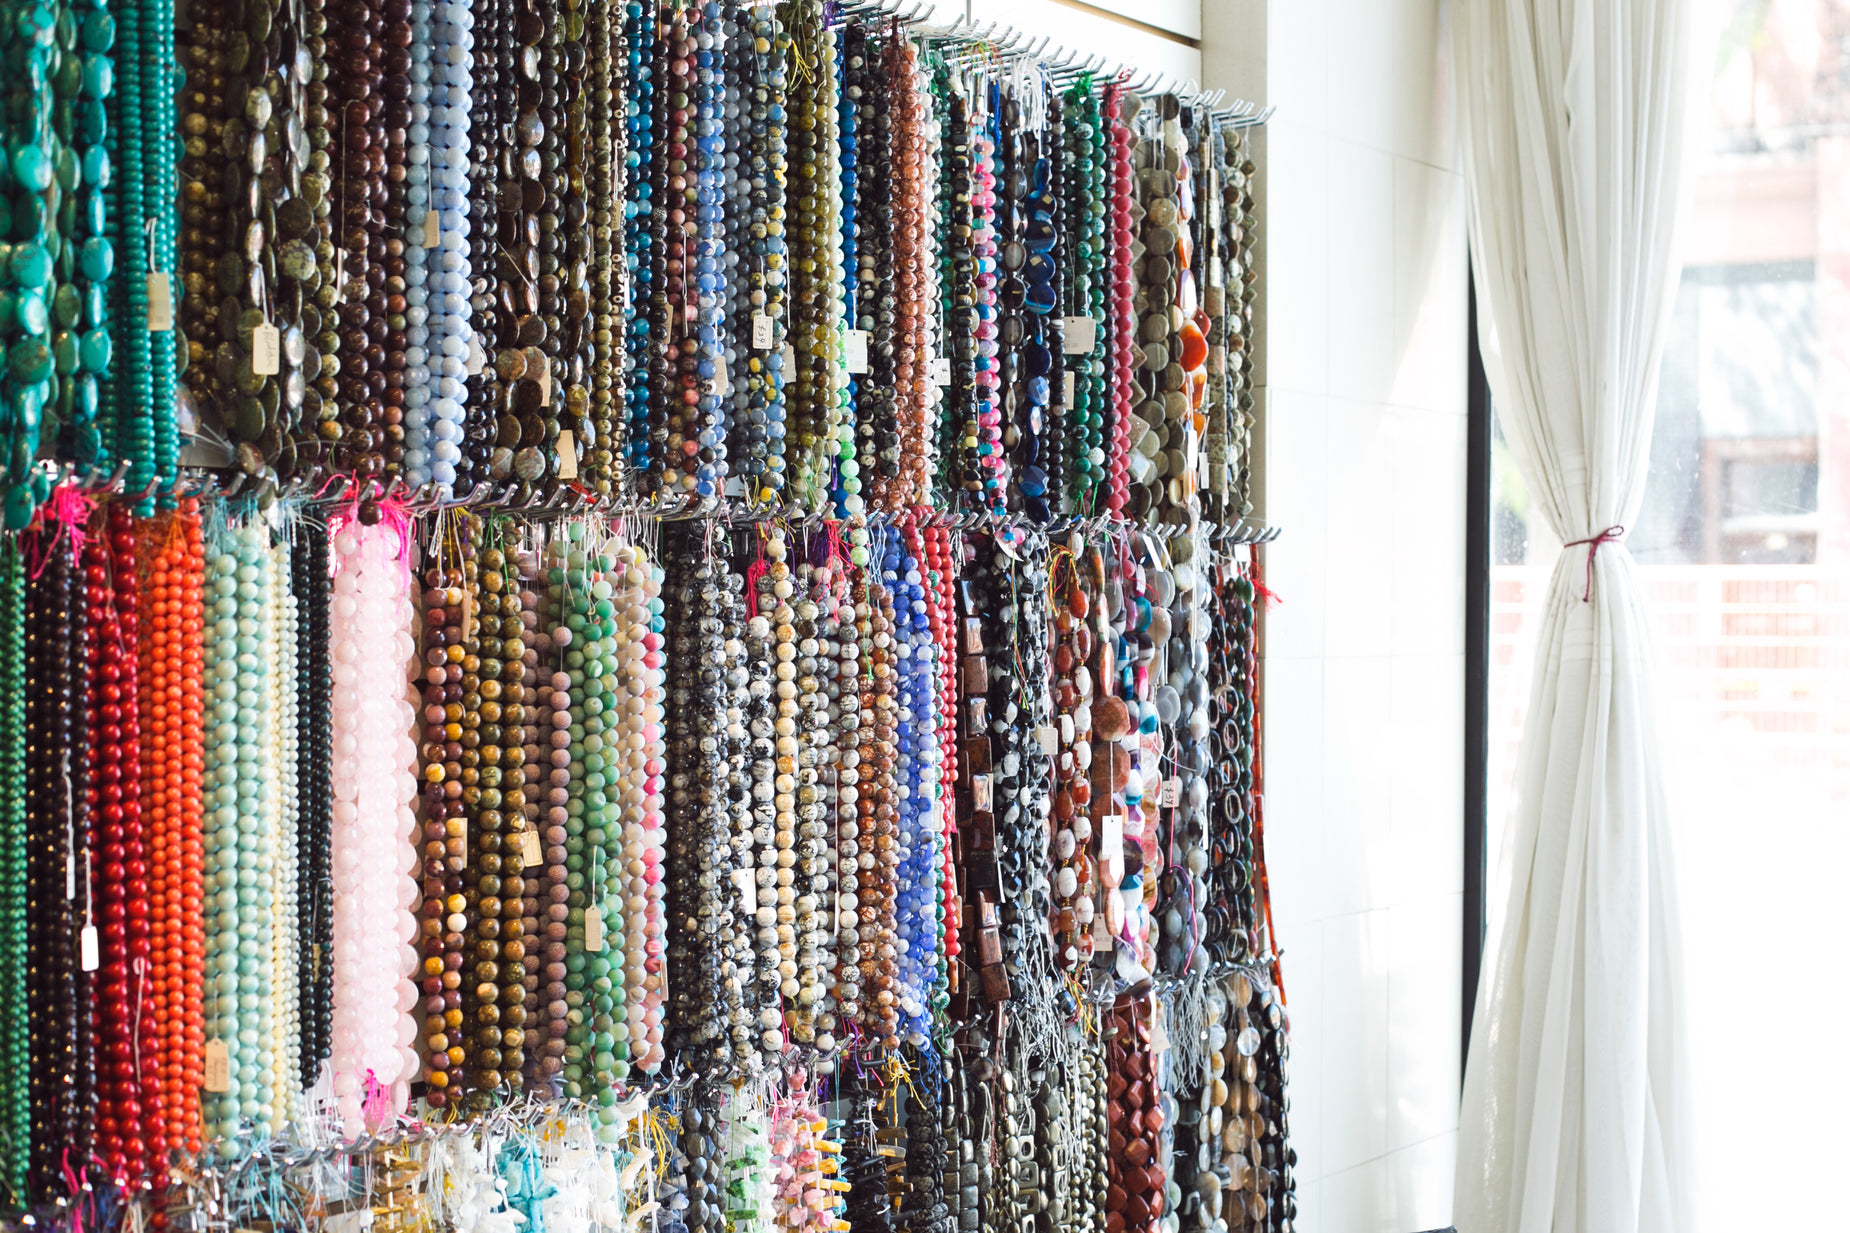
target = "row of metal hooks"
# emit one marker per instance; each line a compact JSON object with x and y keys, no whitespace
{"x":571,"y":500}
{"x":970,"y":42}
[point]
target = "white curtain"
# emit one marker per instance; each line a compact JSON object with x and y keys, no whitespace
{"x":1575,"y":1114}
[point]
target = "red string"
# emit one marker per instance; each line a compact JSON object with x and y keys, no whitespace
{"x":1608,"y":536}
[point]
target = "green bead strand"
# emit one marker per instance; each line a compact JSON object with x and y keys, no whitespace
{"x":15,"y":1059}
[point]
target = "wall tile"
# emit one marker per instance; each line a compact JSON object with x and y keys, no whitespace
{"x":1355,"y":1038}
{"x":1430,"y":329}
{"x":1358,"y":1200}
{"x":1356,"y":857}
{"x":1423,"y":1021}
{"x":1296,"y":445}
{"x":1427,"y":459}
{"x":1425,"y":755}
{"x":1359,"y":539}
{"x":1301,"y":961}
{"x":1420,"y":1179}
{"x":1294,"y":755}
{"x":1297,"y":80}
{"x":1296,"y":308}
{"x":1361,"y":271}
{"x":1389,"y":70}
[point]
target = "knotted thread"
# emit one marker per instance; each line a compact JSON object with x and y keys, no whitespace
{"x":1608,"y":536}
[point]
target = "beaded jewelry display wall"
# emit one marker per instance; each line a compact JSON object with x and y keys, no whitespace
{"x":655,"y":620}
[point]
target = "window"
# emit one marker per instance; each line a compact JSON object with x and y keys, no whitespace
{"x":1743,"y":544}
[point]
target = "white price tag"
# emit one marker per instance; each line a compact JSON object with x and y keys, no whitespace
{"x":1067,"y":381}
{"x":89,"y":957}
{"x":941,"y":370}
{"x":1049,"y":737}
{"x":1081,"y":335}
{"x":477,"y":357}
{"x":160,"y":302}
{"x":764,"y":332}
{"x":855,"y":345}
{"x":568,"y":468}
{"x":594,"y":928}
{"x":530,"y":849}
{"x":790,"y":363}
{"x":1111,"y":845}
{"x":1172,"y":793}
{"x":722,"y":381}
{"x":432,"y":220}
{"x":266,"y":350}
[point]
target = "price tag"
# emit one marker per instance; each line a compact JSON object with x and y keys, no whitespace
{"x":855,"y":346}
{"x":478,"y":358}
{"x":568,"y":455}
{"x":790,"y":363}
{"x":218,"y":1066}
{"x":432,"y":238}
{"x":1111,"y":846}
{"x":530,"y":849}
{"x":1081,"y":335}
{"x":468,"y":614}
{"x":722,"y":381}
{"x":1172,"y":793}
{"x":544,"y":377}
{"x":1049,"y":737}
{"x":764,"y":332}
{"x":747,"y":882}
{"x":941,"y":370}
{"x":90,"y":959}
{"x":266,"y":350}
{"x":160,"y":302}
{"x":594,"y":927}
{"x":1067,"y":380}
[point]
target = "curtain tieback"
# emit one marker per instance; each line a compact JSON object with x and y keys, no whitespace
{"x":1610,"y":535}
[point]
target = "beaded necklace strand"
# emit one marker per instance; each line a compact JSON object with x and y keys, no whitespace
{"x":15,"y":891}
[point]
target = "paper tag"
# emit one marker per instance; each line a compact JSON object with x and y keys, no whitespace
{"x":790,"y":362}
{"x":1081,"y":335}
{"x":1172,"y":793}
{"x":218,"y":1066}
{"x":160,"y":302}
{"x":941,"y":370}
{"x":530,"y":854}
{"x":478,"y":358}
{"x":1111,"y":844}
{"x":266,"y":350}
{"x":544,"y":378}
{"x":568,"y":455}
{"x":855,"y":346}
{"x":1068,"y":384}
{"x":70,"y":876}
{"x":594,"y":928}
{"x":764,"y":332}
{"x":722,"y":381}
{"x":1049,"y":737}
{"x":432,"y":220}
{"x":89,"y":960}
{"x":747,"y":882}
{"x":468,"y":614}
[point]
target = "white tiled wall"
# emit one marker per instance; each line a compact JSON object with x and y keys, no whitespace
{"x":1363,"y":372}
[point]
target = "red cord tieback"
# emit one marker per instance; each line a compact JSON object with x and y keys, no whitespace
{"x":1608,"y":536}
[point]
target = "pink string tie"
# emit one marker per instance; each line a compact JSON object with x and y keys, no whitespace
{"x":1611,"y":535}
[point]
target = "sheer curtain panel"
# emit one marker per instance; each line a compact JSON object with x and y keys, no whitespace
{"x":1575,"y":1101}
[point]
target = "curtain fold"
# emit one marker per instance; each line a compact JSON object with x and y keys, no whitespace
{"x":1575,"y":1112}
